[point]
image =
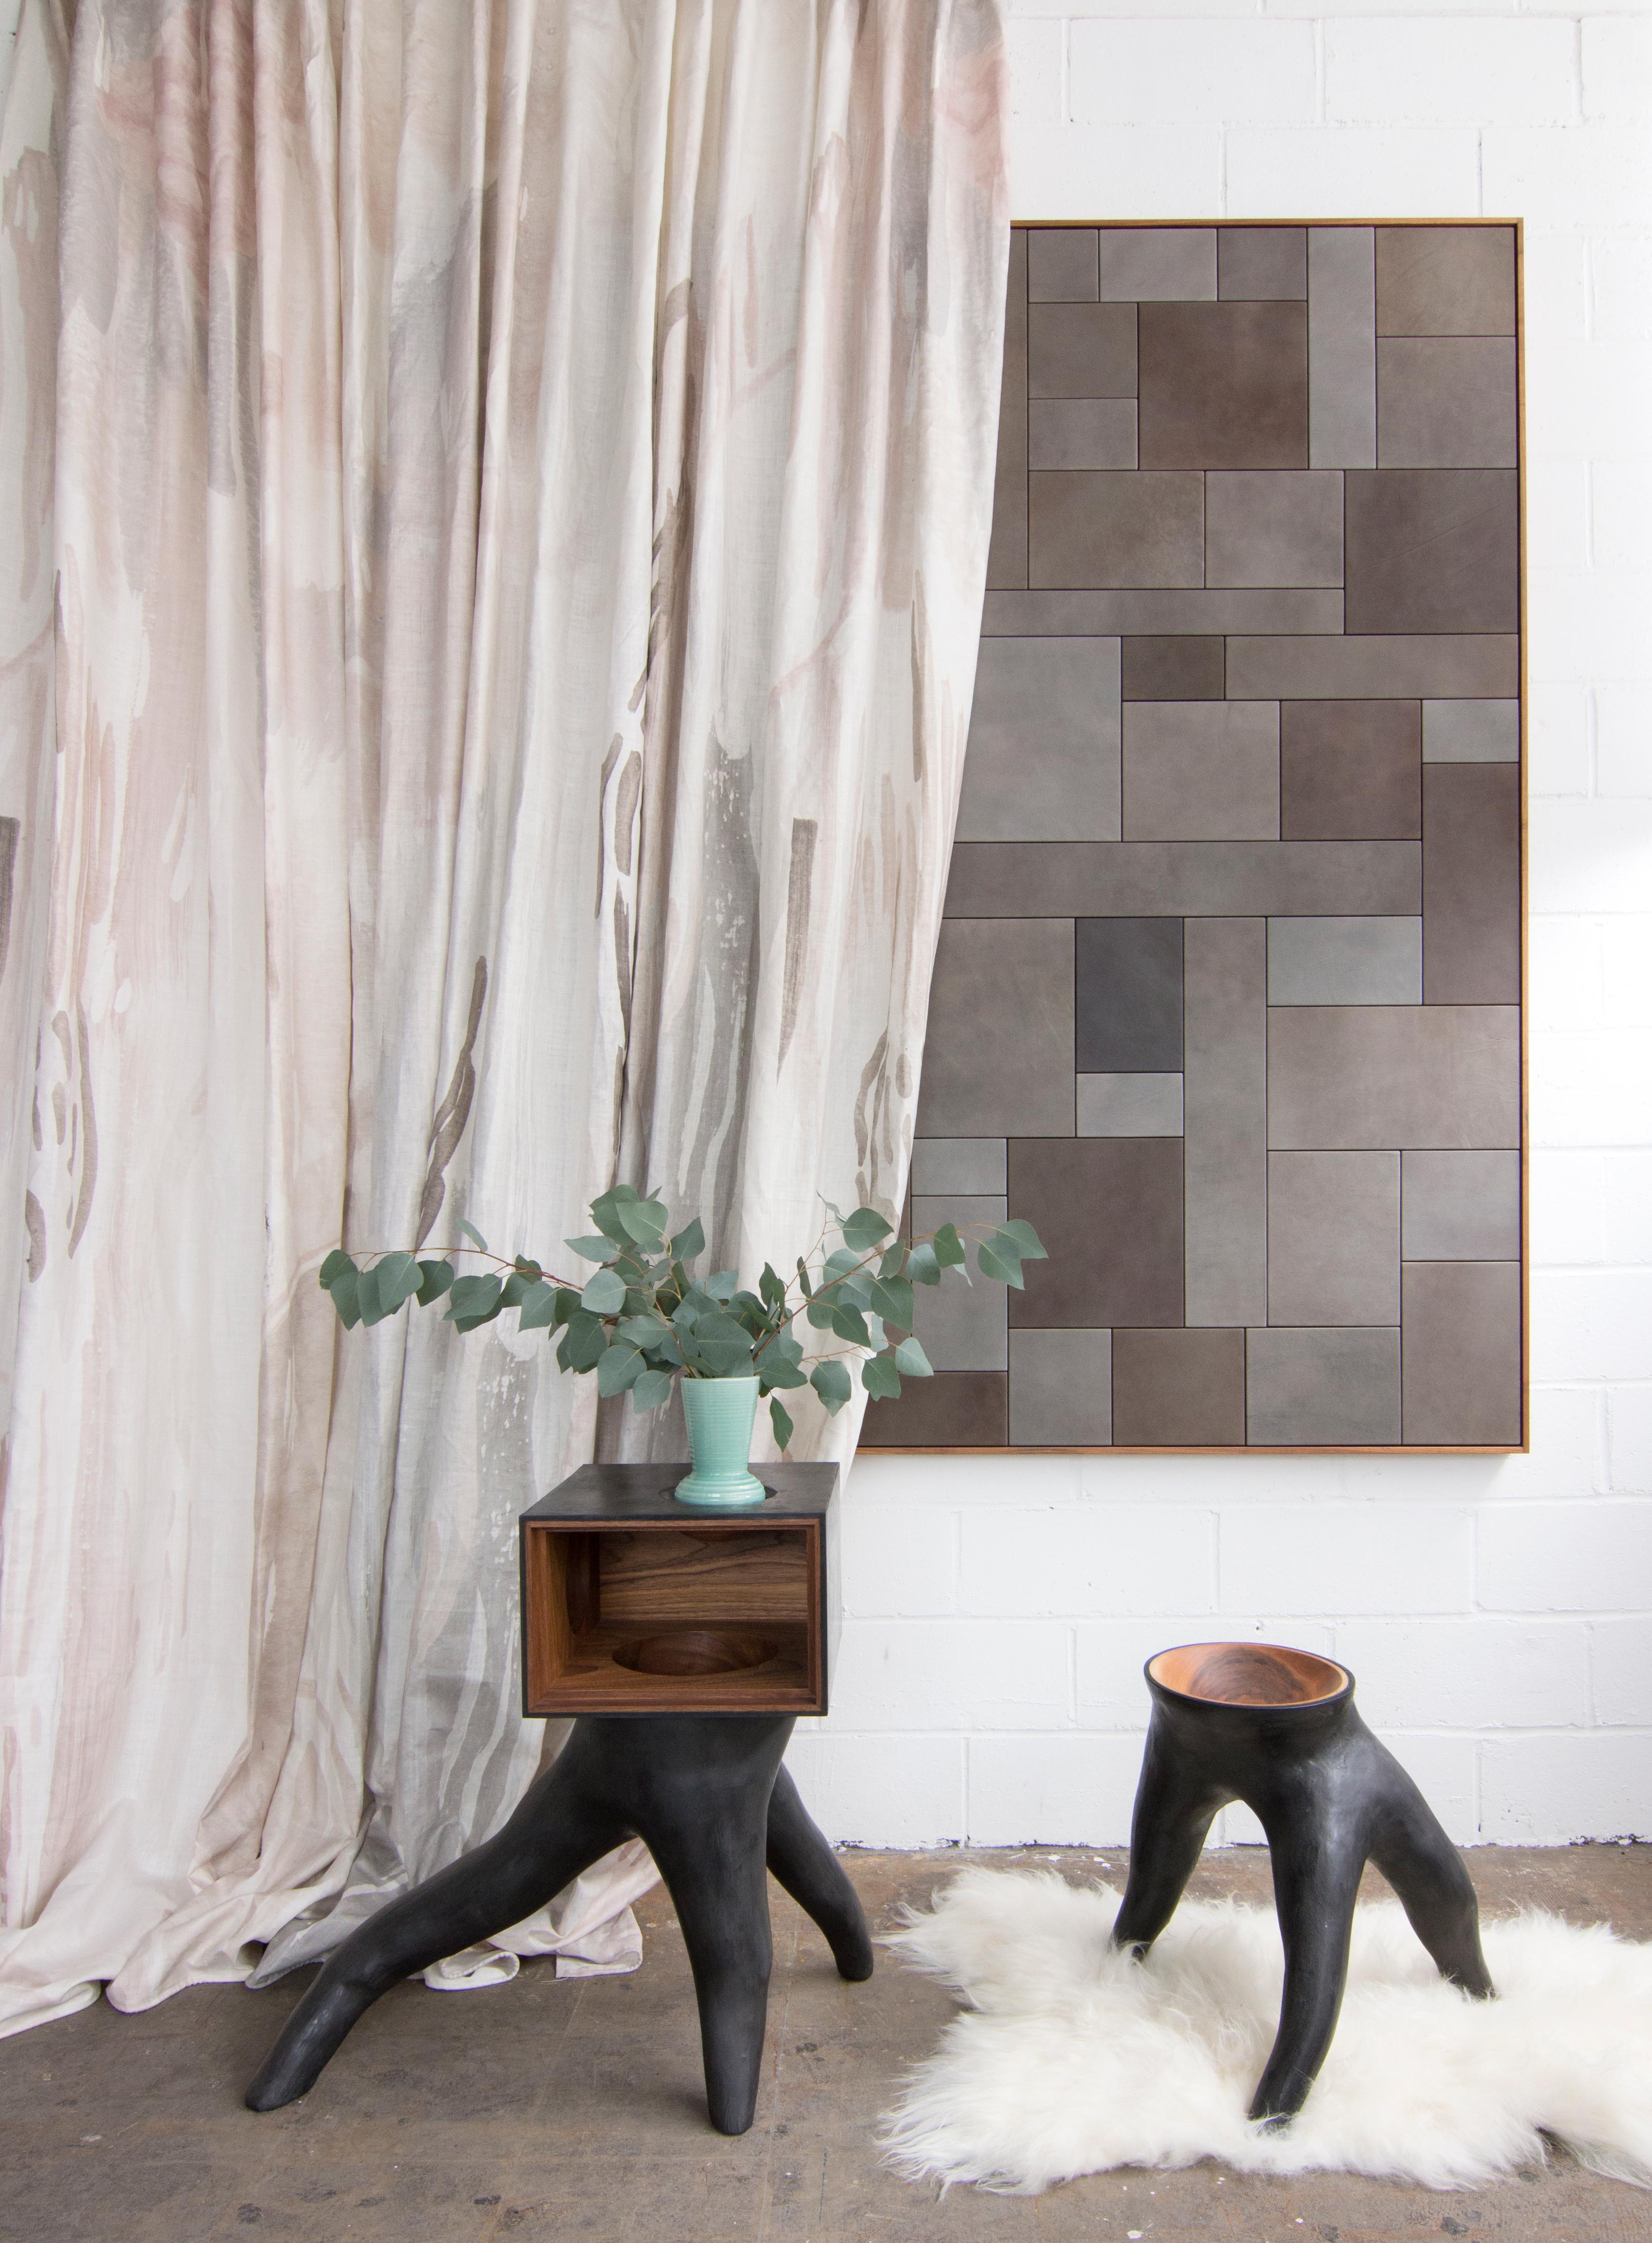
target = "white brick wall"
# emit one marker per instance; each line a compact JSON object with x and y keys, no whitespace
{"x":1495,"y":1612}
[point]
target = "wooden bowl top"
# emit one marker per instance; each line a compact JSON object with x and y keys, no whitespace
{"x":1248,"y":1675}
{"x":694,"y":1651}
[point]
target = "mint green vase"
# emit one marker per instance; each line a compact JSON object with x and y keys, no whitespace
{"x":720,"y":1412}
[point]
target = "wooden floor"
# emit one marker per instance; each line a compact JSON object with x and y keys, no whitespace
{"x":543,"y":2109}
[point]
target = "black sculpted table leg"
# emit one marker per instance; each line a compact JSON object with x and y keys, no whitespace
{"x":1278,"y":1729}
{"x":707,"y":1795}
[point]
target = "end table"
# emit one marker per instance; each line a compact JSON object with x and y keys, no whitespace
{"x":686,"y":1644}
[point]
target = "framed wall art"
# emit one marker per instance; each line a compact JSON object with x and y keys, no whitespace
{"x":1232,"y":964}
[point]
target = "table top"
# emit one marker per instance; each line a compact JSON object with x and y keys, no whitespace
{"x":643,"y":1492}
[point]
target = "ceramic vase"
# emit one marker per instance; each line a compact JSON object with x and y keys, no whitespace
{"x":720,"y":1412}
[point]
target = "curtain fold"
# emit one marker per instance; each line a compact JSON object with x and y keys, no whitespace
{"x":505,"y":492}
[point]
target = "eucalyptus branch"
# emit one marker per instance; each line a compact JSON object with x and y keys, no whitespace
{"x":642,"y":1319}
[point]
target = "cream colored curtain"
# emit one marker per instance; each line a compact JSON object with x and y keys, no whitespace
{"x":496,"y":499}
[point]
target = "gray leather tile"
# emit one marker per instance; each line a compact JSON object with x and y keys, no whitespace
{"x":1344,"y":961}
{"x":1262,"y":264}
{"x":1058,"y":614}
{"x":1096,"y":530}
{"x":1044,"y":753}
{"x":1350,"y":770}
{"x":1167,"y":264}
{"x":1444,"y":665}
{"x":1277,"y":528}
{"x":1471,"y":732}
{"x":1183,"y":1390}
{"x":1201,"y":771}
{"x":1347,"y":1077}
{"x":1433,"y":550}
{"x":1471,"y":884}
{"x":1336,"y":1389}
{"x":1448,"y":401}
{"x":1124,"y":1192}
{"x":1081,"y":350}
{"x":1446,"y":279}
{"x":1128,"y":996}
{"x":1462,"y":1353}
{"x":1333,"y":1238}
{"x":963,"y":1327}
{"x":1223,"y":384}
{"x":998,"y":1050}
{"x":1129,"y":1105}
{"x":1460,"y":1207}
{"x":1081,"y":432}
{"x":951,"y":1165}
{"x":1174,"y":669}
{"x":959,"y":1410}
{"x":1007,"y":554}
{"x":1061,"y":1389}
{"x":1061,"y":265}
{"x":1342,"y":346}
{"x":1006,"y":879}
{"x":1226,"y":1124}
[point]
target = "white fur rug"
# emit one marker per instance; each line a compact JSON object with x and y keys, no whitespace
{"x":1071,"y":2058}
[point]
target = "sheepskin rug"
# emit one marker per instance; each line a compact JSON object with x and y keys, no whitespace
{"x":1071,"y":2058}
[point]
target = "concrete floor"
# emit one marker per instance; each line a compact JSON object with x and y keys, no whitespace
{"x":547,"y":2110}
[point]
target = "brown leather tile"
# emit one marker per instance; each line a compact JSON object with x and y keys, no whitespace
{"x":1432,"y":549}
{"x":1445,"y":1076}
{"x":1333,"y":1238}
{"x":1134,"y":879}
{"x":1201,"y":771}
{"x":1262,"y":264}
{"x":1460,"y":1353}
{"x":1425,"y":665}
{"x":1158,"y":669}
{"x":1448,"y":401}
{"x":1330,"y":1388}
{"x":1445,"y":279}
{"x":1061,"y":1390}
{"x":956,"y":1409}
{"x":1224,"y":1120}
{"x":1179,"y":1389}
{"x":1007,"y":554}
{"x":999,"y":1052}
{"x":1471,"y":884}
{"x":1350,"y":770}
{"x":1081,"y":350}
{"x":1061,"y":264}
{"x":1115,"y":528}
{"x":1223,"y":385}
{"x":1125,"y":1194}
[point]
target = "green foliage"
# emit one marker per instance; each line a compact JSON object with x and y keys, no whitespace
{"x":643,"y":1319}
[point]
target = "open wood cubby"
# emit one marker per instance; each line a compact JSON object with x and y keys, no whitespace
{"x":653,"y":1607}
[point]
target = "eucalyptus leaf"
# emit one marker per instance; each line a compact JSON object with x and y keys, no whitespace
{"x":840,"y":1263}
{"x":619,"y":1367}
{"x":605,"y":1295}
{"x":652,"y":1388}
{"x":398,"y":1281}
{"x":831,"y":1382}
{"x":642,"y":1331}
{"x":921,"y":1265}
{"x":539,"y":1308}
{"x":645,"y":1219}
{"x":771,"y":1288}
{"x":994,"y":1262}
{"x":1026,"y":1238}
{"x":688,"y":1242}
{"x":949,"y":1247}
{"x":334,"y":1266}
{"x":591,"y":1247}
{"x":435,"y":1278}
{"x":780,"y":1370}
{"x":471,"y":1231}
{"x":472,"y":1301}
{"x":723,"y":1284}
{"x":606,"y":1212}
{"x":781,"y":1422}
{"x":864,"y":1228}
{"x":910,"y":1358}
{"x":516,"y":1290}
{"x":344,"y":1292}
{"x":802,"y":1279}
{"x":583,"y":1344}
{"x":892,"y":1299}
{"x":849,"y":1324}
{"x":820,"y":1313}
{"x":369,"y":1306}
{"x":880,"y":1380}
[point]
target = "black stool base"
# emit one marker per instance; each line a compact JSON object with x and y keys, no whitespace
{"x":707,"y":1795}
{"x":1330,"y":1797}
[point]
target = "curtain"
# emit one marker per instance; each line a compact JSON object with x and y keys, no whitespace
{"x":504,"y":493}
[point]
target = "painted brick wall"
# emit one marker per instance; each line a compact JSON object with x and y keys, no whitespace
{"x":1498,"y":1613}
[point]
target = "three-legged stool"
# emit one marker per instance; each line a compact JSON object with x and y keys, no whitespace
{"x":1278,"y":1729}
{"x":707,"y":1795}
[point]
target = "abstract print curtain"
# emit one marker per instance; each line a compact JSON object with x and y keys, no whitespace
{"x":496,"y":503}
